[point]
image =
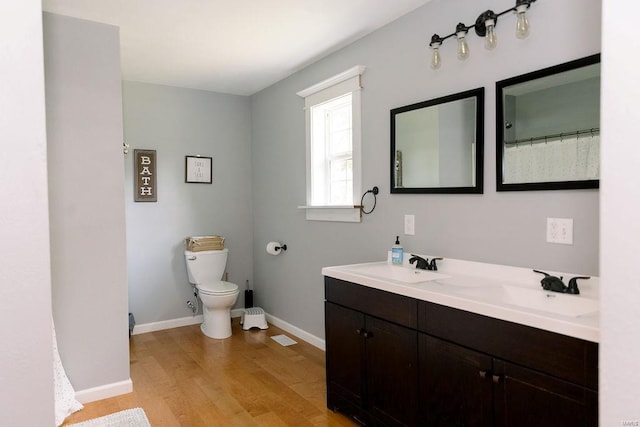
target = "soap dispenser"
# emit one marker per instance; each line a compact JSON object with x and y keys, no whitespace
{"x":397,"y":252}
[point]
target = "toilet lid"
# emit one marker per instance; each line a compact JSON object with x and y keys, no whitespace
{"x":218,"y":288}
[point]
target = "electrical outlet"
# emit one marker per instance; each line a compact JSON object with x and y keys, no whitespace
{"x":410,"y":225}
{"x":560,"y":230}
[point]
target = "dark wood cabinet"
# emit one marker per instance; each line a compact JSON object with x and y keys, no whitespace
{"x":372,"y":363}
{"x":391,"y":372}
{"x":345,"y":356}
{"x":524,"y":397}
{"x":394,"y":360}
{"x":462,"y":387}
{"x":455,"y":385}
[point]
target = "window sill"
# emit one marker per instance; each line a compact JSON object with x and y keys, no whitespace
{"x":348,"y":213}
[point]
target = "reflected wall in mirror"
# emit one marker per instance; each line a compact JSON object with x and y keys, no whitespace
{"x":437,"y":145}
{"x":548,"y":128}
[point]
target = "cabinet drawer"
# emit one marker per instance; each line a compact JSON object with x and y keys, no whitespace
{"x":384,"y":305}
{"x":569,"y":358}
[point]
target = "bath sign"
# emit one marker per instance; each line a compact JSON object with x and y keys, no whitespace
{"x":144,"y":180}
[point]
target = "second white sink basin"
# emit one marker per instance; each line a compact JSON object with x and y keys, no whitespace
{"x":397,"y":273}
{"x":536,"y":299}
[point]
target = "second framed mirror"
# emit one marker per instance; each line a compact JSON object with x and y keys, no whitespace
{"x":548,"y":128}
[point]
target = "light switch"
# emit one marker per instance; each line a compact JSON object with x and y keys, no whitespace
{"x":410,"y":225}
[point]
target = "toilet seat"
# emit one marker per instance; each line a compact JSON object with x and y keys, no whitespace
{"x":217,"y":288}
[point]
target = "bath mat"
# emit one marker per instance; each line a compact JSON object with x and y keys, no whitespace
{"x":283,"y":340}
{"x":127,"y":418}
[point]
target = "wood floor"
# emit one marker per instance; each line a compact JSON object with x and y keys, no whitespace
{"x":182,"y":378}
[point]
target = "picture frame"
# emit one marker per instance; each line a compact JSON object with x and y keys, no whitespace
{"x":198,"y":170}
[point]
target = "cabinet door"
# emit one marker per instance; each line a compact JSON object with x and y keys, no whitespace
{"x":528,"y":398}
{"x":345,"y":357}
{"x":392,"y":368}
{"x":455,"y":385}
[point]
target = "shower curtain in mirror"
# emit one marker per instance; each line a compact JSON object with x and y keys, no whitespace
{"x":570,"y":158}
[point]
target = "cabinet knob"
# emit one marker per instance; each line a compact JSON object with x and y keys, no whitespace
{"x":364,"y":332}
{"x":496,"y":379}
{"x":483,"y":374}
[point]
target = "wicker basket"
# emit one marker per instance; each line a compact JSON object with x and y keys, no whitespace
{"x":204,"y":243}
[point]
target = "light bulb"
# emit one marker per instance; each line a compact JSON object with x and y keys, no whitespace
{"x":463,"y":46}
{"x":490,"y":39}
{"x":522,"y":23}
{"x":435,"y":58}
{"x":435,"y":44}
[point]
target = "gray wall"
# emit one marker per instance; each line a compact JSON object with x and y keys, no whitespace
{"x":86,"y":195}
{"x":178,"y":122}
{"x":26,"y":377}
{"x":505,"y":228}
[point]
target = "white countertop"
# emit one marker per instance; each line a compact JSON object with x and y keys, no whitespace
{"x":473,"y":286}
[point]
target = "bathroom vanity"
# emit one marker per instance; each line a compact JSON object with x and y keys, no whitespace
{"x":461,"y":348}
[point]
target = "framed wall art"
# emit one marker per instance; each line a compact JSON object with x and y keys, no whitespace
{"x":144,"y":183}
{"x":198,"y":170}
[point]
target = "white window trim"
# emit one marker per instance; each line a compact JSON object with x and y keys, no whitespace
{"x":347,"y":81}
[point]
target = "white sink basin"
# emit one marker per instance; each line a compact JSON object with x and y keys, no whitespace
{"x":536,"y":299}
{"x":397,"y":273}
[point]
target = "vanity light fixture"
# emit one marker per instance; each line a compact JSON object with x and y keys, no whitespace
{"x":485,"y":26}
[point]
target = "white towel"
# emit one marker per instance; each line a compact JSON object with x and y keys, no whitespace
{"x":65,"y":396}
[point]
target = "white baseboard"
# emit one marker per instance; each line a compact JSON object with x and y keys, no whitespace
{"x":196,"y":320}
{"x":104,"y":391}
{"x":302,"y":334}
{"x":167,"y":324}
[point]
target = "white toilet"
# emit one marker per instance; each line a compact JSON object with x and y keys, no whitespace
{"x":205,"y":269}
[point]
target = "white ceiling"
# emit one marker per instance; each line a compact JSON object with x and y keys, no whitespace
{"x":230,"y":46}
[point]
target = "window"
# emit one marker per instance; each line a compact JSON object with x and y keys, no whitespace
{"x":332,"y":152}
{"x":332,"y":110}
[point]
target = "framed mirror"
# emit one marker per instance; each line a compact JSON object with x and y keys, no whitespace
{"x":437,"y":145}
{"x":548,"y":128}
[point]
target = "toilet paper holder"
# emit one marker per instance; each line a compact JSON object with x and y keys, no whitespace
{"x":275,"y":248}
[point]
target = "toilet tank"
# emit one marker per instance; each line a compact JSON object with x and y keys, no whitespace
{"x":205,"y":266}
